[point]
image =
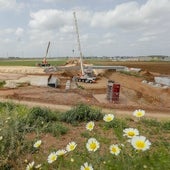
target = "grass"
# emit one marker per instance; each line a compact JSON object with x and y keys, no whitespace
{"x":31,"y":62}
{"x":2,"y":83}
{"x":81,"y":113}
{"x":135,"y":74}
{"x":18,"y":123}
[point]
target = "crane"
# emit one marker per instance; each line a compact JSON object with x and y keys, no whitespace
{"x":44,"y":61}
{"x":79,"y":45}
{"x":85,"y":77}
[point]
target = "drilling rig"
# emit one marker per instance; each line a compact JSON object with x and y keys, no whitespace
{"x":85,"y":76}
{"x":44,"y":62}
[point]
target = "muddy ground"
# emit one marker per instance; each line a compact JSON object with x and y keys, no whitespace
{"x":133,"y":93}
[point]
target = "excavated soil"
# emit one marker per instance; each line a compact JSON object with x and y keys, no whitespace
{"x":133,"y":93}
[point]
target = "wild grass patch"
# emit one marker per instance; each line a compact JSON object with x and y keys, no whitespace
{"x":103,"y":145}
{"x":80,"y":113}
{"x":2,"y":83}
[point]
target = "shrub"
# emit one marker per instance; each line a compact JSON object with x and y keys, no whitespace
{"x":7,"y":106}
{"x":166,"y":125}
{"x":2,"y":83}
{"x":13,"y":142}
{"x":80,"y":113}
{"x":56,"y":129}
{"x":38,"y":116}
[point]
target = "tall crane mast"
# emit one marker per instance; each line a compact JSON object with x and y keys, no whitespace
{"x":47,"y":50}
{"x":78,"y":41}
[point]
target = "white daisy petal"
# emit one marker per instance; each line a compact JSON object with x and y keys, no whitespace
{"x":140,"y":143}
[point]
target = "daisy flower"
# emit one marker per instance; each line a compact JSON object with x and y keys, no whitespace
{"x":139,"y":113}
{"x":114,"y":149}
{"x":71,"y":146}
{"x":92,"y":145}
{"x":38,"y":166}
{"x":90,"y":126}
{"x":130,"y":132}
{"x":30,"y":166}
{"x":61,"y":152}
{"x":37,"y":144}
{"x":140,"y":143}
{"x":108,"y":117}
{"x":86,"y":166}
{"x":52,"y":157}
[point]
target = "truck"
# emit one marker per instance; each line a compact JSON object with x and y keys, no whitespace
{"x":85,"y":78}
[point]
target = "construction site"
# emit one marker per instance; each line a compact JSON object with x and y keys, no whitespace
{"x":59,"y":87}
{"x":125,"y":86}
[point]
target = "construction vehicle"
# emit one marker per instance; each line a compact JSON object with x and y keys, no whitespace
{"x":88,"y":76}
{"x":44,"y":61}
{"x":85,"y":75}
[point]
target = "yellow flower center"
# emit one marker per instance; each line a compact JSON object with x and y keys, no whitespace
{"x":93,"y":146}
{"x":86,"y":168}
{"x":140,"y":144}
{"x":139,"y":114}
{"x":37,"y":145}
{"x":53,"y":157}
{"x":90,"y":126}
{"x":114,"y":150}
{"x":109,"y":118}
{"x":71,"y":147}
{"x":131,"y":133}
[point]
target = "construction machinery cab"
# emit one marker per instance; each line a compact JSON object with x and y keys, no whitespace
{"x":44,"y":63}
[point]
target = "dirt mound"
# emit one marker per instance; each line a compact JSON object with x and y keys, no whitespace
{"x":104,"y":73}
{"x":147,"y":75}
{"x":74,"y":62}
{"x":69,"y":73}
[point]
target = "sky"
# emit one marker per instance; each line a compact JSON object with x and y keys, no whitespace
{"x":106,"y":27}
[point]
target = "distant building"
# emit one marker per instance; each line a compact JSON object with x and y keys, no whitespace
{"x":154,"y":58}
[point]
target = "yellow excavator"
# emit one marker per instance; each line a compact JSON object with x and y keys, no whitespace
{"x":44,"y":62}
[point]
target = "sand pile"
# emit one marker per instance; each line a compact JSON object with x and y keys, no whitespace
{"x":147,"y":75}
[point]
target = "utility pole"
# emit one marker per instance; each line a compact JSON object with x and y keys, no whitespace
{"x":78,"y":41}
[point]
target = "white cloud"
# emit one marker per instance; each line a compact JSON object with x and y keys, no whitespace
{"x":123,"y":15}
{"x":7,"y":3}
{"x":10,"y":35}
{"x":6,"y":31}
{"x":148,"y":38}
{"x":10,"y":5}
{"x":7,"y":40}
{"x":110,"y":30}
{"x":133,"y":16}
{"x":19,"y":32}
{"x":50,"y":19}
{"x":66,"y":29}
{"x":49,"y":0}
{"x":52,"y":1}
{"x":55,"y":19}
{"x":57,"y":25}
